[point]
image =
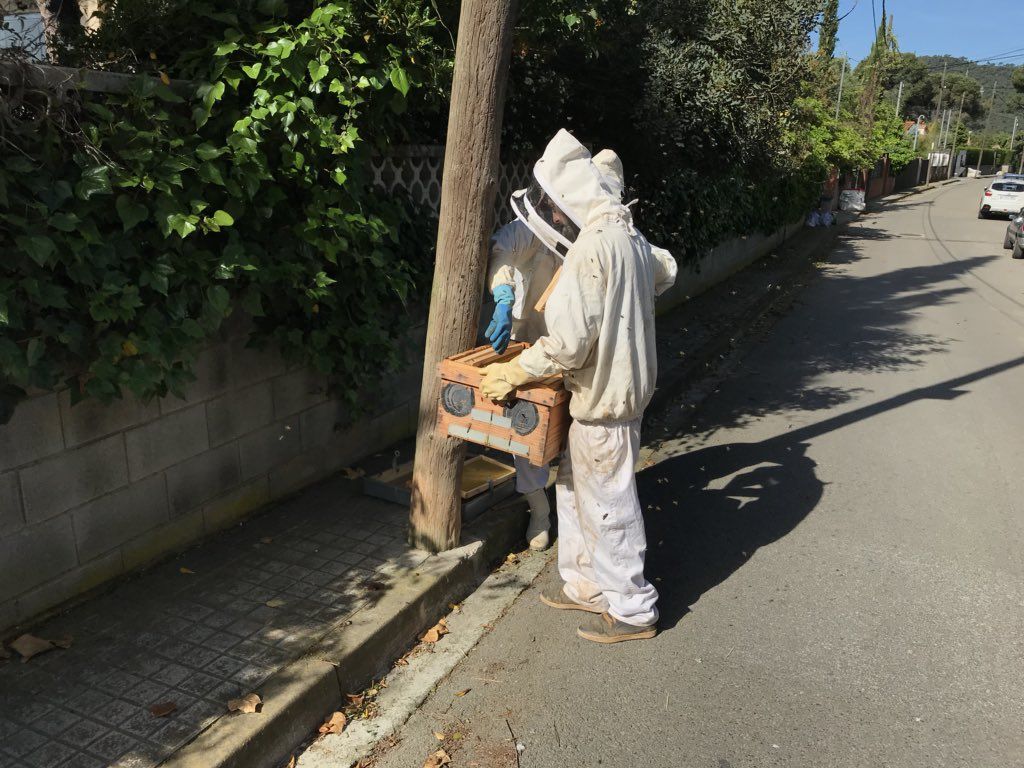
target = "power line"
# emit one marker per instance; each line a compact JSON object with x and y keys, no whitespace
{"x":1015,"y":50}
{"x":964,"y":62}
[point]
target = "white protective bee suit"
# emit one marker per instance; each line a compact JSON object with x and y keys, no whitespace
{"x":521,"y":261}
{"x":600,"y":335}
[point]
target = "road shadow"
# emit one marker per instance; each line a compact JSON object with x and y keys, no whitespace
{"x":707,"y":511}
{"x":859,"y":325}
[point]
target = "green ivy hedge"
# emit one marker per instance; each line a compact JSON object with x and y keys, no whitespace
{"x":134,"y":224}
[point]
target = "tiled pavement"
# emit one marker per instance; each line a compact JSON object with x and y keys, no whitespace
{"x":257,"y":596}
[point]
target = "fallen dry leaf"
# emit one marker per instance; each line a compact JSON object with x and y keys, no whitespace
{"x":185,"y":570}
{"x":353,"y":474}
{"x":291,"y":762}
{"x":275,"y":603}
{"x":438,"y":735}
{"x":436,"y":632}
{"x":401,"y":662}
{"x":64,"y":641}
{"x":334,"y":723}
{"x":248,"y":704}
{"x":355,"y":699}
{"x":512,"y":558}
{"x":464,"y":692}
{"x":163,"y":709}
{"x":438,"y":759}
{"x":30,"y":645}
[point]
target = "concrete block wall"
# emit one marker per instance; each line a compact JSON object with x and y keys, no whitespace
{"x":90,"y":492}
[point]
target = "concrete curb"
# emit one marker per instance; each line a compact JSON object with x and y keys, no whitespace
{"x":299,"y":696}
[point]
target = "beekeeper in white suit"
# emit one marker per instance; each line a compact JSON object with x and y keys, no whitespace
{"x":600,"y":335}
{"x":520,"y":269}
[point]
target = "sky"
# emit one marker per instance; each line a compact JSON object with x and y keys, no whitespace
{"x":974,"y":30}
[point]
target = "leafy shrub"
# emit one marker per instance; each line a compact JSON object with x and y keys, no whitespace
{"x":136,"y":223}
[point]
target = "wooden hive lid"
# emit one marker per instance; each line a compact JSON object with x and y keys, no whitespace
{"x":467,"y":368}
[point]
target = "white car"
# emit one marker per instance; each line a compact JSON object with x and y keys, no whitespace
{"x":1003,"y":198}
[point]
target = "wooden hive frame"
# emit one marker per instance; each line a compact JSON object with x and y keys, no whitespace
{"x":489,"y":423}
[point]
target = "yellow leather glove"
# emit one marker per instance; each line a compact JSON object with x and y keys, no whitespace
{"x":501,"y":379}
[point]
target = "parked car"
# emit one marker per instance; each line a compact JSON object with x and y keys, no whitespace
{"x":1015,"y":235}
{"x":1003,"y":198}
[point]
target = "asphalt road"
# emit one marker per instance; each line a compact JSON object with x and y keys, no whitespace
{"x":836,"y":535}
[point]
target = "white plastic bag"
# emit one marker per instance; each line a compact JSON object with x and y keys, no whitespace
{"x":852,"y":200}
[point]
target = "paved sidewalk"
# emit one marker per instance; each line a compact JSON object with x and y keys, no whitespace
{"x":206,"y":627}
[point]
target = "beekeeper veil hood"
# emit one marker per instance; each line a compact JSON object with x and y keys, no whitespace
{"x":610,"y":166}
{"x":568,"y":190}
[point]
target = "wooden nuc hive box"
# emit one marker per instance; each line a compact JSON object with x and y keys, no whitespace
{"x":532,"y":423}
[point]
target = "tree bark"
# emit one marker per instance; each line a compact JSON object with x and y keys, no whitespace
{"x":468,"y":187}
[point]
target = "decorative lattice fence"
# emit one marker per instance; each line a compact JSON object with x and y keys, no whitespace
{"x":416,"y":171}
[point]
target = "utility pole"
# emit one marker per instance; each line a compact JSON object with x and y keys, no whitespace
{"x":988,"y":128}
{"x":899,"y":98}
{"x":1013,"y":140}
{"x":936,"y":114}
{"x":955,"y":130}
{"x":839,"y":99}
{"x":468,"y":188}
{"x":942,"y":90}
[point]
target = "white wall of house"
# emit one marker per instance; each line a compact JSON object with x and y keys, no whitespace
{"x":24,"y":30}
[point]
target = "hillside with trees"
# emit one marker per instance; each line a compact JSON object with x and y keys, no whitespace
{"x":922,"y":78}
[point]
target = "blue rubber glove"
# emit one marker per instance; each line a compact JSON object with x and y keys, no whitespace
{"x":499,"y":332}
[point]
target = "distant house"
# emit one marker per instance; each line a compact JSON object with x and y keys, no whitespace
{"x":22,"y":27}
{"x":24,"y":22}
{"x":911,"y":129}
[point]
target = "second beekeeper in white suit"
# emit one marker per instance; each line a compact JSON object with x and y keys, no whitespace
{"x":600,"y":335}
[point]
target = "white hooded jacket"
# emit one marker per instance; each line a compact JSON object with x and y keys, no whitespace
{"x":600,"y":317}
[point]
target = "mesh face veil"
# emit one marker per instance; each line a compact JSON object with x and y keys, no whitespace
{"x":552,"y":226}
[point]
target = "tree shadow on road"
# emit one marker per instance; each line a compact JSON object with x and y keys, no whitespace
{"x":860,"y":325}
{"x":707,"y":511}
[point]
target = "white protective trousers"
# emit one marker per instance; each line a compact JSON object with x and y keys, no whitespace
{"x":601,"y":537}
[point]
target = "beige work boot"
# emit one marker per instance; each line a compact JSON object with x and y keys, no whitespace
{"x":538,"y":532}
{"x":553,"y":596}
{"x":607,"y":629}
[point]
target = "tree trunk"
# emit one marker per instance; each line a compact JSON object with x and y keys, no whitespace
{"x":468,"y":188}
